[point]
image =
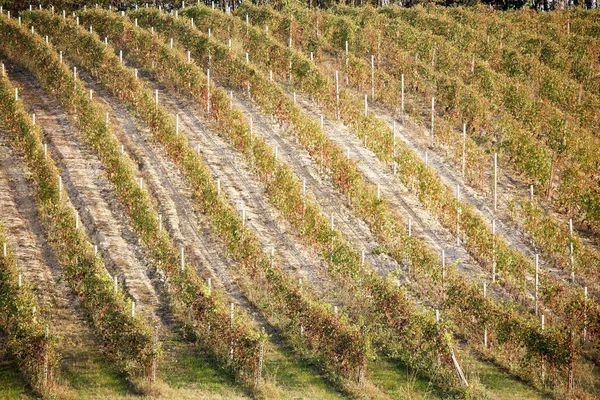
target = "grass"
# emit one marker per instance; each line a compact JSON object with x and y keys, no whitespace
{"x":185,"y":373}
{"x":12,"y":386}
{"x":395,"y":379}
{"x":297,"y":378}
{"x":498,"y":383}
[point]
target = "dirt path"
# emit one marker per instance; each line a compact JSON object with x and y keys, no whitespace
{"x":321,"y":186}
{"x":92,"y":195}
{"x":31,"y":251}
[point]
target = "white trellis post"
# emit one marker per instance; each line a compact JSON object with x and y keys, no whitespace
{"x":464,"y":151}
{"x":493,"y":250}
{"x":537,"y":282}
{"x":337,"y":95}
{"x":432,"y":119}
{"x":182,"y":258}
{"x":495,"y":182}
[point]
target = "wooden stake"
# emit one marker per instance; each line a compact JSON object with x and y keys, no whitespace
{"x":409,"y":226}
{"x":209,"y":284}
{"x":132,"y":308}
{"x":366,"y":106}
{"x":60,"y":187}
{"x":115,"y":284}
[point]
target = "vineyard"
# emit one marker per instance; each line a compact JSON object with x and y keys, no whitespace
{"x":299,"y":202}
